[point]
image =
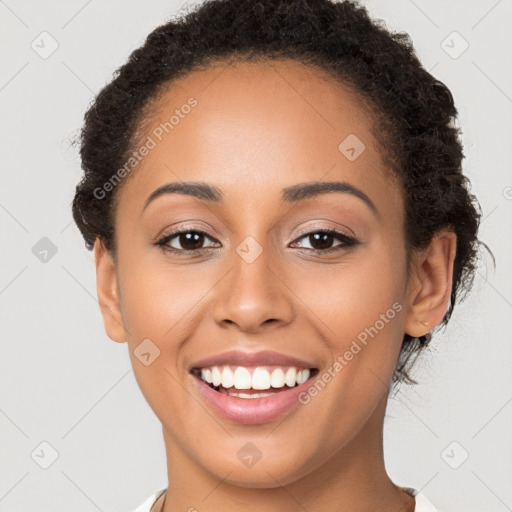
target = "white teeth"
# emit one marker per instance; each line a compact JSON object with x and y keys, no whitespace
{"x":303,"y":376}
{"x":277,"y":378}
{"x":242,"y":395}
{"x":260,"y":379}
{"x":242,"y":378}
{"x":291,"y":376}
{"x":227,"y":377}
{"x":239,"y":394}
{"x":207,"y":375}
{"x":216,"y":375}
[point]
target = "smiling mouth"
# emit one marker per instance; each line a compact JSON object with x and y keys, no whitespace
{"x":253,"y":382}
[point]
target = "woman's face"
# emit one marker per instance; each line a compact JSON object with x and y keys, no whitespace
{"x":253,"y":282}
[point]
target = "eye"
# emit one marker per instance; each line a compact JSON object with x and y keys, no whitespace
{"x":192,"y":240}
{"x":321,"y":240}
{"x":189,"y":239}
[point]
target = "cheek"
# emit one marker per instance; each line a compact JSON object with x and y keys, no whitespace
{"x":158,"y":298}
{"x":160,"y":304}
{"x":358,"y":306}
{"x":357,"y":310}
{"x":351,"y":296}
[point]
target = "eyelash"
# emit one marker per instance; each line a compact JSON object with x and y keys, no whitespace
{"x":348,"y":241}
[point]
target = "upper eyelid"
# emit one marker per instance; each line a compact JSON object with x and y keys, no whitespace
{"x":310,"y":230}
{"x":305,"y":232}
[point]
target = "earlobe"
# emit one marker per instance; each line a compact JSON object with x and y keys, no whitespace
{"x":431,"y":284}
{"x":108,"y":293}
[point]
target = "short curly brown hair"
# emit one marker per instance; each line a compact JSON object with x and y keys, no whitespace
{"x":414,"y":113}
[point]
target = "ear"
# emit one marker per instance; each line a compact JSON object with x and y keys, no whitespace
{"x":430,"y":284}
{"x":108,"y":293}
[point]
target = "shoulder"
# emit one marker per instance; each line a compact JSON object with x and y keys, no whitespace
{"x":149,"y":502}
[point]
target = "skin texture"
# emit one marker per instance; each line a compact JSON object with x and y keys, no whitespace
{"x":256,"y":129}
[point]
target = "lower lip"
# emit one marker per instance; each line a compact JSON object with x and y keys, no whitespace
{"x":250,"y":411}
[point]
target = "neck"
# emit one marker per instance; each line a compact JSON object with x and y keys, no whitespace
{"x":354,"y":477}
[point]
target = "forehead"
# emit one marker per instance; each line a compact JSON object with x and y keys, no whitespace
{"x":253,"y":128}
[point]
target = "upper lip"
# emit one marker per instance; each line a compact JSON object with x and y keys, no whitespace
{"x":260,"y":358}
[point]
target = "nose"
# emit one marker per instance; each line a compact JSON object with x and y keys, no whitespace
{"x":254,"y":295}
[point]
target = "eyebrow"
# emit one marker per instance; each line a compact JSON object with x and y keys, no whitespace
{"x":311,"y":189}
{"x":294,"y":193}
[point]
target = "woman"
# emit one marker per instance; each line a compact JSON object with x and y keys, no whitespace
{"x":274,"y":195}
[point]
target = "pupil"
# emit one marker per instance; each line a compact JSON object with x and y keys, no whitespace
{"x":190,"y":240}
{"x":324,"y":237}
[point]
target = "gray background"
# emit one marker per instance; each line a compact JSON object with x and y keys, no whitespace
{"x":65,"y":383}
